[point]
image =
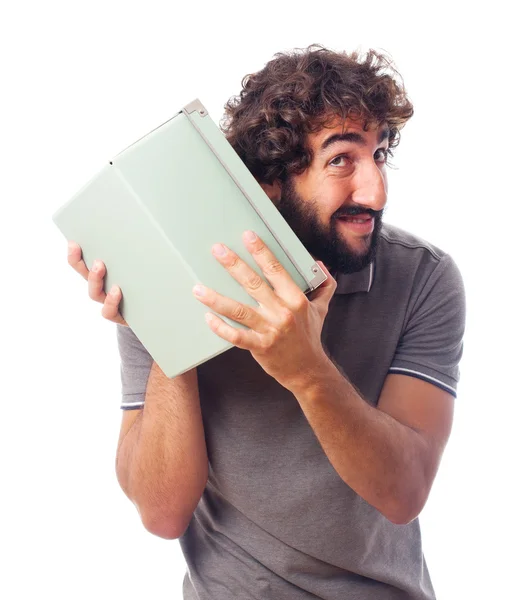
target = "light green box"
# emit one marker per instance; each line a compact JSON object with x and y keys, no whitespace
{"x":152,"y":215}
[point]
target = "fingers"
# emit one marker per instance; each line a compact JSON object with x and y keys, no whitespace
{"x":242,"y":339}
{"x":110,"y":309}
{"x":95,"y":278}
{"x":75,"y":259}
{"x":283,"y":284}
{"x":253,"y":284}
{"x":96,"y":282}
{"x":231,"y":308}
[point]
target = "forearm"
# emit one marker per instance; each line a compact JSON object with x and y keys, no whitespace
{"x":378,"y":457}
{"x":162,"y":462}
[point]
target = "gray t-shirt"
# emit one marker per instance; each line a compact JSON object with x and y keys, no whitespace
{"x":275,"y":519}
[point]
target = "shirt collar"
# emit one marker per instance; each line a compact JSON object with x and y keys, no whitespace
{"x":361,"y":281}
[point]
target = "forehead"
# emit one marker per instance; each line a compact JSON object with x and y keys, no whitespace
{"x":376,"y":132}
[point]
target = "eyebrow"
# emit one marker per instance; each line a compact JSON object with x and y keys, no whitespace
{"x":353,"y":137}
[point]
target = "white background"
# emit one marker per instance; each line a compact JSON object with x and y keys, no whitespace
{"x":81,"y":81}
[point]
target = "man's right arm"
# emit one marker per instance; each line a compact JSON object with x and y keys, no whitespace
{"x":161,"y":461}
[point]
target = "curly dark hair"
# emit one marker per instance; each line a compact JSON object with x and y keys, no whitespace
{"x":301,"y":91}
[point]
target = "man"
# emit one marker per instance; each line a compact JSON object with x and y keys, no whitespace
{"x":295,"y":465}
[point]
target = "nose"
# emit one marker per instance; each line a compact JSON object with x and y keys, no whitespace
{"x":370,"y":186}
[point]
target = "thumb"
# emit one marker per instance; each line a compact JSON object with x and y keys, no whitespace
{"x":323,"y":294}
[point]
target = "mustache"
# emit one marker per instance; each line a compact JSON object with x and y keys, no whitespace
{"x":352,"y":211}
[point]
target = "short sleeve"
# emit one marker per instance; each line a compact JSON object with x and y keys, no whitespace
{"x":431,"y":345}
{"x":136,"y":364}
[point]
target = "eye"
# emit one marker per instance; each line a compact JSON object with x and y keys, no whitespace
{"x":339,"y":161}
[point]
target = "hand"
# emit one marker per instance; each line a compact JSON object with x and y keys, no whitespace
{"x":284,"y":332}
{"x":95,"y":277}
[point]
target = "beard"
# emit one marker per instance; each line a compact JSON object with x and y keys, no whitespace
{"x":323,"y":242}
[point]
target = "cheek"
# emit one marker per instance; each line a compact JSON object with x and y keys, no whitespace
{"x":325,"y":206}
{"x":334,"y":196}
{"x":327,"y":196}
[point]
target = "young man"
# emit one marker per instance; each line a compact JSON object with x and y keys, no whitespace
{"x":294,"y":466}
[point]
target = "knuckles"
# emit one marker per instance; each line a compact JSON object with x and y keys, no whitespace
{"x":240,"y":313}
{"x":259,"y":248}
{"x":237,"y":338}
{"x":233,"y":261}
{"x":254,"y":282}
{"x":267,"y":343}
{"x":273,"y":267}
{"x":300,"y":304}
{"x":287,"y":318}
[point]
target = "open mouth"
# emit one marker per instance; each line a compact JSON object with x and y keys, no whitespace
{"x":361,"y":224}
{"x":356,"y":219}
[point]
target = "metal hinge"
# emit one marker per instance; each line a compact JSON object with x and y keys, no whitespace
{"x":194,"y":106}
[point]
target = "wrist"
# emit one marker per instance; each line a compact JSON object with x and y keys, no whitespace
{"x":311,"y":378}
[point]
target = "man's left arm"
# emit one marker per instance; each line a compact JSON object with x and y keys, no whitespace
{"x":389,"y":454}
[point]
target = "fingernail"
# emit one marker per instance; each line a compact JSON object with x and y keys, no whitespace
{"x":219,"y":250}
{"x":250,"y":236}
{"x":198,"y":290}
{"x":70,"y":249}
{"x":95,"y":265}
{"x":114,"y":290}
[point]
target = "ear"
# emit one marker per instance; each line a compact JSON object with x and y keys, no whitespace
{"x":274,"y":190}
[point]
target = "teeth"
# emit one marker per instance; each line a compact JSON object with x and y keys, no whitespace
{"x":355,"y":219}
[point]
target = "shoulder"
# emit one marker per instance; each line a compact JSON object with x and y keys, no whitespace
{"x":408,"y":244}
{"x":425,"y":282}
{"x":407,"y":261}
{"x":410,"y":254}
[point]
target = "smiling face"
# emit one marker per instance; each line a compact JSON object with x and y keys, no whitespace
{"x":335,"y":206}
